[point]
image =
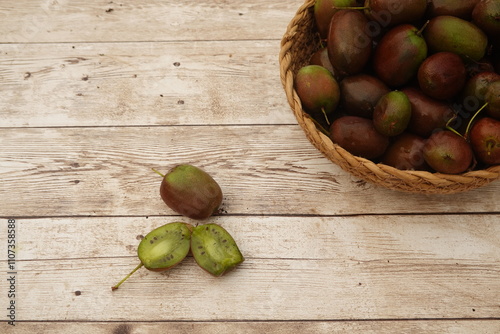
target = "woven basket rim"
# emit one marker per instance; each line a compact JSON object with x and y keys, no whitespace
{"x":378,"y":173}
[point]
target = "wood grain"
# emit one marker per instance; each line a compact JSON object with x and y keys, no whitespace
{"x":149,"y":20}
{"x":259,"y":289}
{"x":279,"y":327}
{"x":262,"y":170}
{"x":342,"y":268}
{"x":190,"y":83}
{"x":464,"y":238}
{"x":95,"y":93}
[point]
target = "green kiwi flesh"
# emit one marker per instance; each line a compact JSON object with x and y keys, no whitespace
{"x":165,"y":246}
{"x":162,"y":248}
{"x":214,"y":249}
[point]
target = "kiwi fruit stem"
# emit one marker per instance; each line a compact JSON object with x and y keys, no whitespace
{"x":419,"y":33}
{"x":448,"y":127}
{"x":126,"y":277}
{"x":320,"y":127}
{"x":472,"y":120}
{"x":326,"y":117}
{"x":157,"y":172}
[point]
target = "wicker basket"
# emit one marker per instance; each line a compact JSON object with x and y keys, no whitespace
{"x":298,"y":44}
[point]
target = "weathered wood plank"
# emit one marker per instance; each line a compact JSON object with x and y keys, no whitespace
{"x":259,"y":289}
{"x":316,"y":268}
{"x":279,"y":327}
{"x":95,"y":93}
{"x":151,"y":20}
{"x":360,"y":238}
{"x":142,"y":84}
{"x":263,"y":170}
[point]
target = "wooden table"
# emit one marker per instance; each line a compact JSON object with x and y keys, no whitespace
{"x":95,"y":93}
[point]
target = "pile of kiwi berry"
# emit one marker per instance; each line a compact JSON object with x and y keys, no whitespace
{"x":412,"y":84}
{"x":189,"y":191}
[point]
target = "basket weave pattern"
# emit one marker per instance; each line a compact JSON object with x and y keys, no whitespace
{"x":298,"y":44}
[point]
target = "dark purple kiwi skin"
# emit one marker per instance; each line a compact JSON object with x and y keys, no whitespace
{"x":442,"y":76}
{"x":406,"y":153}
{"x":349,"y":46}
{"x":320,"y":58}
{"x":447,"y":152}
{"x":485,"y":140}
{"x":483,"y":65}
{"x":459,"y":8}
{"x":360,"y":93}
{"x":324,"y":10}
{"x":358,"y":136}
{"x":492,"y":97}
{"x":317,"y":88}
{"x":399,"y":54}
{"x":391,"y":13}
{"x":191,"y":192}
{"x":428,"y":115}
{"x":486,"y":15}
{"x":475,"y":88}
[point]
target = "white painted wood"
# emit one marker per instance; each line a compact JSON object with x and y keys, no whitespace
{"x":146,"y":20}
{"x":93,"y":94}
{"x":99,"y":84}
{"x":316,"y":268}
{"x":464,"y":238}
{"x":262,"y":170}
{"x":259,"y":289}
{"x":254,"y":327}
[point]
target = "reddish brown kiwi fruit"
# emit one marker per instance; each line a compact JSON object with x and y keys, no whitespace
{"x":485,"y":140}
{"x":320,"y":58}
{"x":447,"y":152}
{"x":318,"y":90}
{"x":360,"y":94}
{"x":442,"y":76}
{"x":474,"y":92}
{"x":399,"y":54}
{"x":349,"y":47}
{"x":486,"y":15}
{"x":492,"y":99}
{"x":190,"y":191}
{"x":324,"y":10}
{"x":406,"y":153}
{"x":390,"y":13}
{"x":458,"y":8}
{"x":358,"y":136}
{"x":427,"y":114}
